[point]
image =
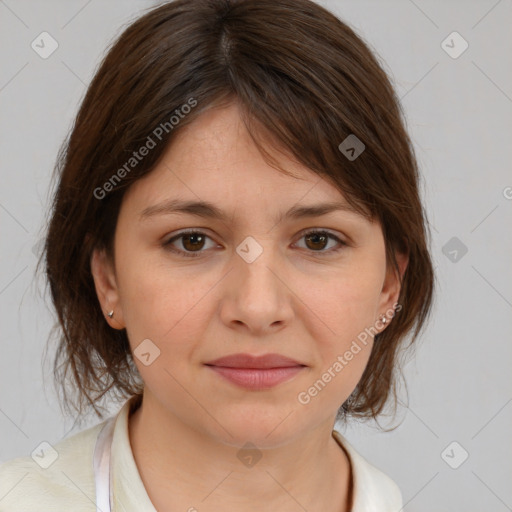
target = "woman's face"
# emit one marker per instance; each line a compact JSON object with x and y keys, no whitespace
{"x":251,"y":281}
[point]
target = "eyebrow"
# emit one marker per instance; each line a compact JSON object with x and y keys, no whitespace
{"x":206,"y":209}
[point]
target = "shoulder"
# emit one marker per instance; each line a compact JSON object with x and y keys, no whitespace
{"x":372,"y":488}
{"x":58,"y":477}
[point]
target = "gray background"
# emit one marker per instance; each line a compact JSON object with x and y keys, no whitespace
{"x":459,"y":116}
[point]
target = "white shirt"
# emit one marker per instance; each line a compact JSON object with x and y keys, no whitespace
{"x":68,"y":484}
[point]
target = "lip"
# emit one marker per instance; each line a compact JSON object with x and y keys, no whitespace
{"x":255,"y":362}
{"x":256,"y":372}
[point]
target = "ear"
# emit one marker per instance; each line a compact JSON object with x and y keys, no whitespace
{"x":103,"y":273}
{"x":391,"y":288}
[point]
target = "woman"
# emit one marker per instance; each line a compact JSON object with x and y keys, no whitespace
{"x":238,"y":246}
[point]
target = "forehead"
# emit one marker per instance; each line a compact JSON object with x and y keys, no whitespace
{"x":217,"y":146}
{"x":214,"y":161}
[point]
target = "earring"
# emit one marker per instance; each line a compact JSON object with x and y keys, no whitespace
{"x":111,"y":314}
{"x":383,"y":319}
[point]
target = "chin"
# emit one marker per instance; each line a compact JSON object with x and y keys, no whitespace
{"x":263,"y":430}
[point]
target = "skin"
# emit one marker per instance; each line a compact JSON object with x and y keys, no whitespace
{"x":298,"y":298}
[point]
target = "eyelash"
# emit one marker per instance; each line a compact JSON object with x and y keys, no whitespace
{"x":168,"y":244}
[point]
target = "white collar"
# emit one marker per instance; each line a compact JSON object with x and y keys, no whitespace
{"x":372,"y":489}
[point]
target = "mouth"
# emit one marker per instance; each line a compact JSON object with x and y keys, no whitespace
{"x":257,"y":378}
{"x":256,"y":372}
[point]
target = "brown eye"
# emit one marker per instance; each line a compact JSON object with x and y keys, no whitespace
{"x":193,"y":242}
{"x":318,"y":240}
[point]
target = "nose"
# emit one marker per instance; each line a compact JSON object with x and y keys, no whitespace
{"x":256,"y":298}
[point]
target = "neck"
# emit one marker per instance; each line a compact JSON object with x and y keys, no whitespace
{"x":176,"y":469}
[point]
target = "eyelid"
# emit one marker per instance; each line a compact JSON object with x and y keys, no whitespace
{"x":334,"y":234}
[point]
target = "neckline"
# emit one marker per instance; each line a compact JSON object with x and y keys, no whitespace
{"x":137,"y":489}
{"x":351,"y":470}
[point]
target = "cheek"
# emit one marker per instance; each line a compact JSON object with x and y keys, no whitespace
{"x":343,"y":342}
{"x":341,"y":312}
{"x":166,"y":307}
{"x":163,"y":304}
{"x":346,"y":303}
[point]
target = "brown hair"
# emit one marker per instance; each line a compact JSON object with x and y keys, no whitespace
{"x":304,"y":81}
